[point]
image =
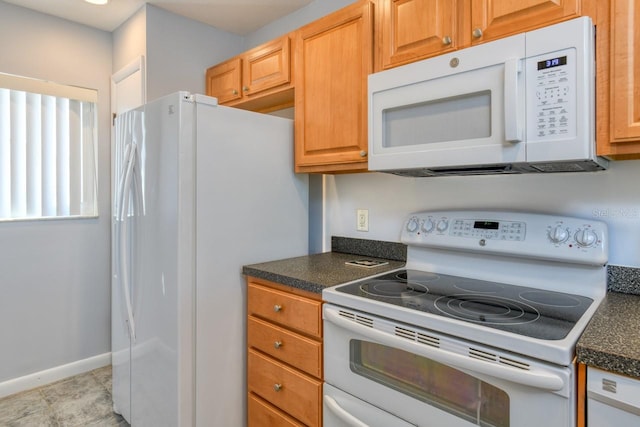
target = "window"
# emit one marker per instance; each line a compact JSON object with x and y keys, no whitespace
{"x":48,"y":139}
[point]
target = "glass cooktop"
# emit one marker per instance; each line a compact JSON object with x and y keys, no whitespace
{"x":526,"y":311}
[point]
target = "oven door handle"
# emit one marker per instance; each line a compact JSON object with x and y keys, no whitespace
{"x":533,"y":378}
{"x":341,"y":413}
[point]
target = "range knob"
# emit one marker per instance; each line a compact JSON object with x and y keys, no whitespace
{"x":558,"y":234}
{"x":586,"y":237}
{"x":412,"y":225}
{"x":442,"y":225}
{"x":428,"y":225}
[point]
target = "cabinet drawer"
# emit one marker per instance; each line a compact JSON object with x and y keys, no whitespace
{"x":262,"y":414}
{"x":292,"y":311}
{"x":293,"y":349}
{"x":291,"y":391}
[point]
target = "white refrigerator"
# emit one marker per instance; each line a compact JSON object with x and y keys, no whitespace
{"x":198,"y":191}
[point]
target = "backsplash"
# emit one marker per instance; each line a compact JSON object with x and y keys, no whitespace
{"x":371,"y":248}
{"x":623,"y":279}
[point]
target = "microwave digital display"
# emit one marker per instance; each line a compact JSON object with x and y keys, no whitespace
{"x":486,"y":225}
{"x":550,"y":63}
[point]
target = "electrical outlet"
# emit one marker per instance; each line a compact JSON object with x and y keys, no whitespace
{"x":362,"y":219}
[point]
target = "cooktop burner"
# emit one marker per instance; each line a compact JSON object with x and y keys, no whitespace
{"x":526,"y":311}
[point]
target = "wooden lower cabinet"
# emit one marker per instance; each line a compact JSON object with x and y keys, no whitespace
{"x":284,"y":356}
{"x":263,"y":414}
{"x":581,"y":406}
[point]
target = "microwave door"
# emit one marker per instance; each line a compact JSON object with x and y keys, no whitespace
{"x":451,"y":121}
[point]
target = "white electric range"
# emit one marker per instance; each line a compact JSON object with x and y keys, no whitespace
{"x":479,"y":328}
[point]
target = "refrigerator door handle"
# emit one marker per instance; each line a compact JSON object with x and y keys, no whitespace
{"x":124,"y":238}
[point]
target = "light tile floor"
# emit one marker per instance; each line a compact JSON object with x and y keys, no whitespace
{"x":83,"y":400}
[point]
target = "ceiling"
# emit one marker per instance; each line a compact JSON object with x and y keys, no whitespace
{"x":236,"y":16}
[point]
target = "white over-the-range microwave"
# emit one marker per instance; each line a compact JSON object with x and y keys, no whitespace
{"x":525,"y":103}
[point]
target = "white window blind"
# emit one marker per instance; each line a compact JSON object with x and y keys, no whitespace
{"x":47,"y":150}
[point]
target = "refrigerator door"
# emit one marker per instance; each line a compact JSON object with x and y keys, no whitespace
{"x":125,"y":195}
{"x":163,"y":276}
{"x":251,"y":208}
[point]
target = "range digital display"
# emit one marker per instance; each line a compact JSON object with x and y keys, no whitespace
{"x":486,"y":225}
{"x":553,"y":62}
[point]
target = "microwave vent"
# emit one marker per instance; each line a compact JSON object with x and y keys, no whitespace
{"x":505,"y":169}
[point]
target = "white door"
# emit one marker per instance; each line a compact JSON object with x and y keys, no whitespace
{"x":128,"y":87}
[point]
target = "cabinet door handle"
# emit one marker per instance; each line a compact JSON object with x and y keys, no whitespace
{"x":363,"y":153}
{"x":277,"y":308}
{"x":277,"y":387}
{"x":446,"y":40}
{"x":245,"y":88}
{"x":277,"y":344}
{"x":477,"y":33}
{"x":233,"y":91}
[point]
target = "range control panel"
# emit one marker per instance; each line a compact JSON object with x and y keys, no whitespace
{"x":529,"y":235}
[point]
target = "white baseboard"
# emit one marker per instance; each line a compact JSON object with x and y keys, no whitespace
{"x":49,"y":376}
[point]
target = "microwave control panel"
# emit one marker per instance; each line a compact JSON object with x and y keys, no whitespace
{"x":551,"y":81}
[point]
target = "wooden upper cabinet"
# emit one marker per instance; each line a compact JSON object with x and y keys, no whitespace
{"x":493,"y":19}
{"x":267,"y":66}
{"x":224,"y":81}
{"x":618,"y":79}
{"x":625,"y":71}
{"x":334,"y":56}
{"x":409,"y":30}
{"x":260,"y":79}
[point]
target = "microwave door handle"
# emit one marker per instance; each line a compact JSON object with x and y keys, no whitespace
{"x":512,"y":122}
{"x":543,"y":380}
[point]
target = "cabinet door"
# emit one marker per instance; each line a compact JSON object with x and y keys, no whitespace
{"x":224,"y":80}
{"x":267,"y":66}
{"x":625,"y":70}
{"x":334,"y":56}
{"x":492,"y":19}
{"x":409,"y":30}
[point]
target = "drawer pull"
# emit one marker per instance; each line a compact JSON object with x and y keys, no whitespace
{"x":277,"y":344}
{"x":277,"y":387}
{"x":277,"y":308}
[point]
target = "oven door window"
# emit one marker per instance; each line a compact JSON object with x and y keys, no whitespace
{"x":438,"y":385}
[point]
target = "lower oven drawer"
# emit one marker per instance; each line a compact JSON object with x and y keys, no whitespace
{"x":262,"y":414}
{"x":344,"y":410}
{"x":288,"y":389}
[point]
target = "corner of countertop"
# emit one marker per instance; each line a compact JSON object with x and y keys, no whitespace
{"x":316,"y":272}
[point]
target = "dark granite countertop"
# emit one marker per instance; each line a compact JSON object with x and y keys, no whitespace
{"x":611,"y":340}
{"x":313,"y":273}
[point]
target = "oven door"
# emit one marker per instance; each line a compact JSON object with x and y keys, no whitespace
{"x":431,"y":380}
